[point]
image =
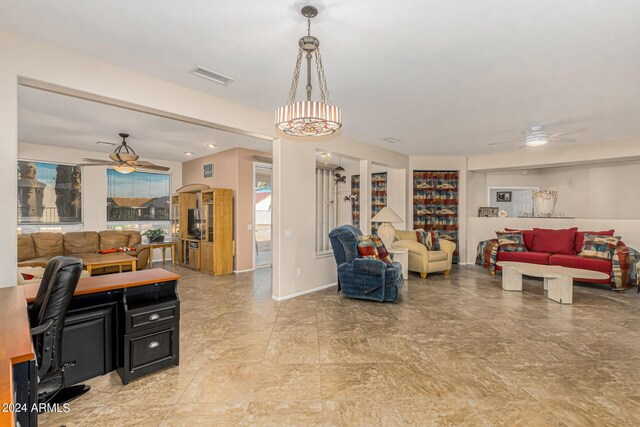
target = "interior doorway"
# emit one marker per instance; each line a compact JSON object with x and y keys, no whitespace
{"x":262,"y":202}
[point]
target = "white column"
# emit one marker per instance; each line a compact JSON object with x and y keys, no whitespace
{"x":365,"y":196}
{"x":8,"y":175}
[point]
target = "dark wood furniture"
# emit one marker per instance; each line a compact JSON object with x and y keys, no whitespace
{"x":125,"y":321}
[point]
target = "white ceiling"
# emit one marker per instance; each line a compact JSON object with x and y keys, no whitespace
{"x":445,"y":77}
{"x":50,"y":119}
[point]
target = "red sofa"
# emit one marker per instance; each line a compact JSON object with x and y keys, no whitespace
{"x":558,"y":247}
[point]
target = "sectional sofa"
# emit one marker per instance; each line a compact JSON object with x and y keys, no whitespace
{"x":36,"y":249}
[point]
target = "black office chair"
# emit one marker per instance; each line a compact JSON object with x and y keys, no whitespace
{"x":48,"y":313}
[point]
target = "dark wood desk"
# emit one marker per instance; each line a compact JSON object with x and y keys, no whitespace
{"x":133,"y":324}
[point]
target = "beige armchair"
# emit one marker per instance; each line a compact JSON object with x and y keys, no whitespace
{"x":422,"y":260}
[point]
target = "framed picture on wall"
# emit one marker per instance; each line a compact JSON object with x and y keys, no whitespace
{"x":503,"y":196}
{"x":486,"y":212}
{"x":208,"y":170}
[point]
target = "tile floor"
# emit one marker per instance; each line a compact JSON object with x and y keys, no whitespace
{"x":455,"y":350}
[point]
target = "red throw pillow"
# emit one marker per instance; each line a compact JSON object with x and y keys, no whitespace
{"x":580,"y":237}
{"x":527,"y":236}
{"x":107,"y":251}
{"x":26,"y":276}
{"x":555,"y":241}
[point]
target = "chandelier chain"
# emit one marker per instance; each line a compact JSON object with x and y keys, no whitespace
{"x":296,"y":77}
{"x":322,"y":81}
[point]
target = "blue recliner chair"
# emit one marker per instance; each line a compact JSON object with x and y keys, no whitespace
{"x":363,"y":278}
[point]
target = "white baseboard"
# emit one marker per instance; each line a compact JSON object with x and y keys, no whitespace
{"x":243,"y":271}
{"x":309,"y":291}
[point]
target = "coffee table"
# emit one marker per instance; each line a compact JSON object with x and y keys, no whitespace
{"x":558,"y":280}
{"x":116,"y":259}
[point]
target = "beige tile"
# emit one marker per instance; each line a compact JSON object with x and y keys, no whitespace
{"x":595,"y":411}
{"x":363,"y":413}
{"x":288,"y":383}
{"x":222,"y":383}
{"x":206,"y":414}
{"x":397,"y":349}
{"x":455,"y":351}
{"x":292,"y":348}
{"x":284,"y":414}
{"x":353,"y":381}
{"x":517,"y":413}
{"x":345,"y":350}
{"x":129,"y":415}
{"x":437,"y":412}
{"x":162,"y":388}
{"x":417,"y":380}
{"x":73,"y":418}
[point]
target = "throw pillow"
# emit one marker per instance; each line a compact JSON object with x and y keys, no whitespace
{"x":429,"y":239}
{"x":596,"y":246}
{"x":511,"y":241}
{"x":580,"y":237}
{"x":527,"y":237}
{"x":366,"y":247}
{"x":554,"y":241}
{"x":383,"y":253}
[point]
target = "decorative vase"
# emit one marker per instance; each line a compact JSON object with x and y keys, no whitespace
{"x":544,"y":202}
{"x":157,"y":239}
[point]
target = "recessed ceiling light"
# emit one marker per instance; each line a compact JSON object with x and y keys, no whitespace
{"x":391,"y":140}
{"x":211,"y":145}
{"x":188,"y":153}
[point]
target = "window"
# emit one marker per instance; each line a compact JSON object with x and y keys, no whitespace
{"x":138,"y":201}
{"x":49,"y":193}
{"x":325,"y":209}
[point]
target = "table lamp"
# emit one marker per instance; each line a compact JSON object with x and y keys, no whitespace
{"x":386,"y":231}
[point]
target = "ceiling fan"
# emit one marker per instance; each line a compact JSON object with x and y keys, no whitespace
{"x":124,"y":159}
{"x":537,"y":136}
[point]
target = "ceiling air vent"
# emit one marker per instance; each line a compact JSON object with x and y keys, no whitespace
{"x":392,"y":140}
{"x":212,"y":75}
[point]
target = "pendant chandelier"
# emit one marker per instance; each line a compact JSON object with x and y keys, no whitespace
{"x":309,"y":118}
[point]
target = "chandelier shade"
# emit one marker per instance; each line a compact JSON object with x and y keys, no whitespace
{"x":309,"y":118}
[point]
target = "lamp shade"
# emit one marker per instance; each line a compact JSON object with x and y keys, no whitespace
{"x":386,"y":215}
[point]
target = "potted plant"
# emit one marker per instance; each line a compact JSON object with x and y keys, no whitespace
{"x":154,"y":235}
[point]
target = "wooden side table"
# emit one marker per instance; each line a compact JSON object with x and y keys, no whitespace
{"x":163,"y":246}
{"x":401,"y":256}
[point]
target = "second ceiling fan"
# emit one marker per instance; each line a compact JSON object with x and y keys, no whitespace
{"x":124,"y":159}
{"x":537,"y":136}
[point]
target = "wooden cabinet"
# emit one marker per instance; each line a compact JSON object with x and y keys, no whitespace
{"x":206,"y":255}
{"x":216,"y":248}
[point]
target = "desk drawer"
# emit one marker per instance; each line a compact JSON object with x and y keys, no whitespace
{"x":150,"y":350}
{"x":152,"y":316}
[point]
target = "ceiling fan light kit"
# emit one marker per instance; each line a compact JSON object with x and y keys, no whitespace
{"x":309,"y":118}
{"x":124,"y":160}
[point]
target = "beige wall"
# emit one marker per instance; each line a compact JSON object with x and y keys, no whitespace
{"x":232,"y":169}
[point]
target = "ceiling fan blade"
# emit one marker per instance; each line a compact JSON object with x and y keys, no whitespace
{"x":94,"y":162}
{"x":141,"y":163}
{"x":152,"y":167}
{"x":556,"y":135}
{"x":506,"y":142}
{"x":522,"y":146}
{"x":563,"y":140}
